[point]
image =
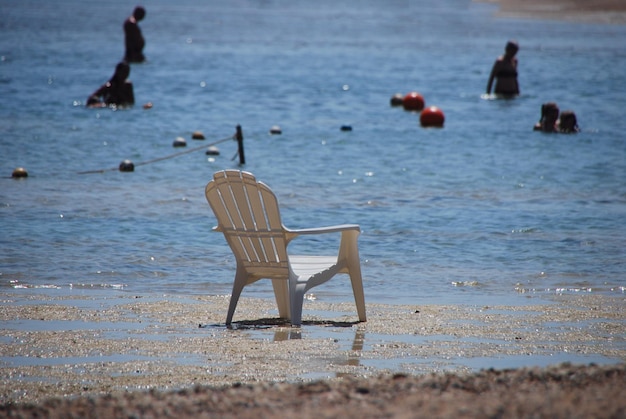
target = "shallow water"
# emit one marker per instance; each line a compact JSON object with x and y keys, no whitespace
{"x":482,"y":211}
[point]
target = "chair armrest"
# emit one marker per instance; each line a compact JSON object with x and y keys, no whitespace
{"x":292,"y":234}
{"x":327,"y":229}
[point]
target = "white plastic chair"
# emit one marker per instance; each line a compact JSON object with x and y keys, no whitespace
{"x":247,"y":214}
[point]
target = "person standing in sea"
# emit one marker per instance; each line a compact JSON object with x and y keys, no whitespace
{"x":133,"y":37}
{"x":504,"y":71}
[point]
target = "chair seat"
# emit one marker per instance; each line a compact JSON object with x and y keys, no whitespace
{"x":309,"y":266}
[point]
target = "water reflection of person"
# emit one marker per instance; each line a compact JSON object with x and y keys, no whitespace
{"x":133,"y":38}
{"x":118,"y":91}
{"x":504,"y":71}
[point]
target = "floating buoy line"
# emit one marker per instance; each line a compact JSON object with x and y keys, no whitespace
{"x":129,"y":166}
{"x":431,"y":116}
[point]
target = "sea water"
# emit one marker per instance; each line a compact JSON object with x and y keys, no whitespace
{"x":481,"y":211}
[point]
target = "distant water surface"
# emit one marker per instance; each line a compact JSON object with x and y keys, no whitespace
{"x":483,"y":211}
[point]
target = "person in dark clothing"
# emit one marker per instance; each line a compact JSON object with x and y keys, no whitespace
{"x":118,"y":91}
{"x":549,"y":121}
{"x":133,"y":38}
{"x":504,"y":71}
{"x":568,"y":123}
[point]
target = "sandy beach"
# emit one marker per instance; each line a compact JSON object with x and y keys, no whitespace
{"x":589,"y":11}
{"x":558,"y":392}
{"x":173,"y":356}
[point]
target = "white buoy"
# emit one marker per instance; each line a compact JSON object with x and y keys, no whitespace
{"x":127,"y":166}
{"x":180,"y":142}
{"x":212,"y":151}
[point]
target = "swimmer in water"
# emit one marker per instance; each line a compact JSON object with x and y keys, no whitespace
{"x":118,"y":91}
{"x":568,"y":123}
{"x":549,"y":118}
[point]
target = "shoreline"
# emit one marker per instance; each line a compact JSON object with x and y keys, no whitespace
{"x":75,"y":349}
{"x":597,"y":11}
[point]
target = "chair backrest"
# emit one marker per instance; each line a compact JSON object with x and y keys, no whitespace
{"x":248,"y":215}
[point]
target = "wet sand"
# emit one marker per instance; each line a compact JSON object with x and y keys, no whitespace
{"x":173,"y":356}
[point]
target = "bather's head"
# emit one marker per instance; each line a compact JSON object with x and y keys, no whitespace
{"x":511,"y":48}
{"x":568,"y":123}
{"x":139,"y":13}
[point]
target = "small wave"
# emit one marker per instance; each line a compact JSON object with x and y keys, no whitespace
{"x":571,"y":290}
{"x":19,"y":285}
{"x":466,"y":283}
{"x":525,"y":230}
{"x":31,"y":286}
{"x":103,"y":286}
{"x":574,"y":290}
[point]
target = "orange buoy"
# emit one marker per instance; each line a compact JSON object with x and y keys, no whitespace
{"x":19,"y":172}
{"x":197,"y":135}
{"x":413,"y":102}
{"x":432,"y":117}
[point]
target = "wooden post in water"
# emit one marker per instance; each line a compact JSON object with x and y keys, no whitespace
{"x":239,"y":136}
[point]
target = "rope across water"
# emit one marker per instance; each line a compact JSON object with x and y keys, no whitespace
{"x":171,"y":156}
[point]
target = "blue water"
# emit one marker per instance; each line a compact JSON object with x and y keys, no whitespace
{"x":483,"y":211}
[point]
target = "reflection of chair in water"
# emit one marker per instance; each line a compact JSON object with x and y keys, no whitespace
{"x":287,"y":334}
{"x":247,"y":214}
{"x":354,"y":358}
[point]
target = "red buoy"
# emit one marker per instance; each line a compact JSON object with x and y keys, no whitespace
{"x":413,"y":102}
{"x":432,"y":117}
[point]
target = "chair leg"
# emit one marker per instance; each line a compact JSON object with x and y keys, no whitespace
{"x":296,"y":294}
{"x":240,"y":282}
{"x":349,"y":251}
{"x":354,"y":267}
{"x":281,"y":292}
